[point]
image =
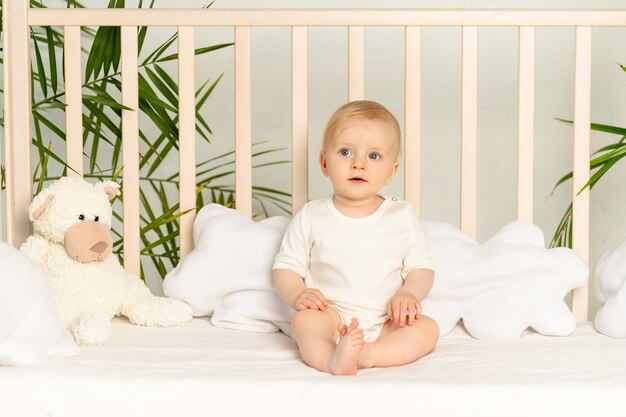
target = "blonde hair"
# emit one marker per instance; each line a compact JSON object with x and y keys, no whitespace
{"x":365,"y":109}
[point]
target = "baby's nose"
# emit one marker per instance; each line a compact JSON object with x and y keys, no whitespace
{"x":358,"y":162}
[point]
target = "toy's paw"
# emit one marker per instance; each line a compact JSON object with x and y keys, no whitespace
{"x":160,"y":312}
{"x":35,"y":248}
{"x":92,"y":329}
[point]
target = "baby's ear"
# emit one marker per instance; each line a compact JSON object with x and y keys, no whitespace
{"x":111,"y":188}
{"x":322,"y":161}
{"x":39,"y":205}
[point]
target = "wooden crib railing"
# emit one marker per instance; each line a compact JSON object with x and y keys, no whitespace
{"x":18,"y":18}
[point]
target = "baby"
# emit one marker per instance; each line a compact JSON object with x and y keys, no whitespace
{"x":355,"y":265}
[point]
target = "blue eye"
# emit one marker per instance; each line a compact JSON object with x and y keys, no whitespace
{"x":345,"y":152}
{"x":374,"y":156}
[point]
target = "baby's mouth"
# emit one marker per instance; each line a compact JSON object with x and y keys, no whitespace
{"x":357,"y":179}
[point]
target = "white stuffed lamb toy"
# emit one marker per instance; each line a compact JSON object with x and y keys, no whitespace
{"x":72,"y":240}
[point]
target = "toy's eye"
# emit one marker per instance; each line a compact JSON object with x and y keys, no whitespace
{"x":95,"y":219}
{"x":81,"y":217}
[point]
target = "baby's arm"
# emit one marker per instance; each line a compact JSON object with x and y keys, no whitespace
{"x":290,"y":287}
{"x":405,"y":305}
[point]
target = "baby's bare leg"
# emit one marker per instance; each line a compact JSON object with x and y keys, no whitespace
{"x":316,"y":334}
{"x":400,"y":345}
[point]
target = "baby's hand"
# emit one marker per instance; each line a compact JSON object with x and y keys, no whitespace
{"x":312,"y":299}
{"x":404,"y":308}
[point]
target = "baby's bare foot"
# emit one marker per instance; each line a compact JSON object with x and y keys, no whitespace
{"x":344,"y":360}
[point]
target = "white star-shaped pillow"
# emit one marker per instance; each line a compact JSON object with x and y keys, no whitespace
{"x":228,"y":275}
{"x":500,"y":288}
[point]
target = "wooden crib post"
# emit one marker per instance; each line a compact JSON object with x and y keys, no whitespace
{"x":469,"y":129}
{"x":187,"y":136}
{"x":243,"y":121}
{"x":299,"y":118}
{"x":582,"y":138}
{"x":74,"y":101}
{"x":356,"y":63}
{"x":17,"y":113}
{"x":130,"y":149}
{"x":412,"y":116}
{"x":525,"y":123}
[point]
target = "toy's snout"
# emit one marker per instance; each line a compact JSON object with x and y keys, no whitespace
{"x":88,"y":241}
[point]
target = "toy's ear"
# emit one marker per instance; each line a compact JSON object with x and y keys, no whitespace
{"x":38,"y":206}
{"x":111,"y":188}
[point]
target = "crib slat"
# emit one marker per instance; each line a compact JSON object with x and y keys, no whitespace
{"x":356,"y":63}
{"x":73,"y":94}
{"x":469,"y":129}
{"x":130,"y":149}
{"x":17,"y":115}
{"x":186,"y":133}
{"x":412,"y":116}
{"x":582,"y":137}
{"x":243,"y":121}
{"x":525,"y":124}
{"x":300,"y":137}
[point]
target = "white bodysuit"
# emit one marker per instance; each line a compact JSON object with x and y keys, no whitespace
{"x":357,"y":263}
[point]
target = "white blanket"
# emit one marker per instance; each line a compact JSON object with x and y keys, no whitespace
{"x":200,"y":370}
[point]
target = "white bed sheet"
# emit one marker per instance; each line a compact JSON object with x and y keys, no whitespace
{"x":200,"y":370}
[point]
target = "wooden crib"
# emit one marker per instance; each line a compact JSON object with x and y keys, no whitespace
{"x":201,"y":370}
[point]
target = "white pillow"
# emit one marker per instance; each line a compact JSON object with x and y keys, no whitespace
{"x":504,"y":286}
{"x":229,"y":273}
{"x":31,"y":331}
{"x":609,"y":287}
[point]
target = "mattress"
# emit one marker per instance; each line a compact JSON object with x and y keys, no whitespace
{"x":201,"y":370}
